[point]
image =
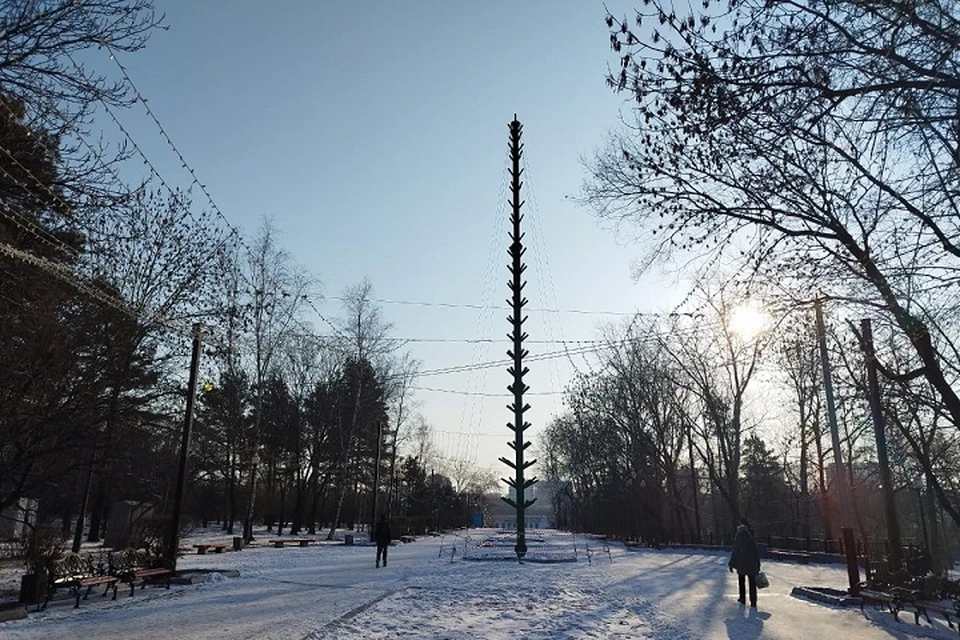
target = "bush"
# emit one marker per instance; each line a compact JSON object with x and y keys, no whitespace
{"x":41,"y":550}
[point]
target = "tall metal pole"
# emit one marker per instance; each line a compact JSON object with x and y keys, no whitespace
{"x":376,"y":480}
{"x":517,"y":353}
{"x":879,"y":430}
{"x":184,"y":448}
{"x":849,"y":543}
{"x":695,"y":484}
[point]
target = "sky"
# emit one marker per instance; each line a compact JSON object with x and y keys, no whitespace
{"x":374,"y":136}
{"x":440,"y":588}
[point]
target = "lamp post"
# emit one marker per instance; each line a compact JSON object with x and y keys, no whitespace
{"x":174,"y":543}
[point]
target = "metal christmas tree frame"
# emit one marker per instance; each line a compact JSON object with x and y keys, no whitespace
{"x":517,"y":353}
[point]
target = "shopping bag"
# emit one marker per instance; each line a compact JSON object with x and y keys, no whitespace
{"x":762,"y":582}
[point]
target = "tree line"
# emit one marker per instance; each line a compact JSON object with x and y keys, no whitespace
{"x":101,"y":284}
{"x":789,"y":151}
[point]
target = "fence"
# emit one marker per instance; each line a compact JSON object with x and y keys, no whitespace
{"x":870,"y":551}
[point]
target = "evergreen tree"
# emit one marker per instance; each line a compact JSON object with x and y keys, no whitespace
{"x":765,"y":495}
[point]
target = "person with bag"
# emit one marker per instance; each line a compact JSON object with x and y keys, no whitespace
{"x":745,"y":558}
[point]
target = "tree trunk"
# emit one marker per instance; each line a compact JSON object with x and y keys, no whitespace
{"x":804,"y":488}
{"x":283,"y":506}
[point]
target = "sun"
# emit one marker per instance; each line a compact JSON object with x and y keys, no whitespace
{"x":748,"y":320}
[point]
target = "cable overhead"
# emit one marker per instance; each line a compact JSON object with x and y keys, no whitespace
{"x":29,"y":190}
{"x":488,"y":341}
{"x":336,"y":330}
{"x":66,"y":275}
{"x":219,"y":243}
{"x":138,"y":97}
{"x":36,"y":231}
{"x":544,"y":270}
{"x":472,"y":409}
{"x":94,"y":152}
{"x":25,"y":223}
{"x":234,"y":233}
{"x":482,"y":307}
{"x":59,"y":270}
{"x":549,"y":355}
{"x":483,"y":394}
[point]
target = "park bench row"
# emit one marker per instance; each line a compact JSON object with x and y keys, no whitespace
{"x":78,"y":573}
{"x":220,"y":547}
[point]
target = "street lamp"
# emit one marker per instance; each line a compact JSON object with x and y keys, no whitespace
{"x":174,"y":542}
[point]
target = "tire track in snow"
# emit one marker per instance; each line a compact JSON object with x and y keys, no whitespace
{"x":316,"y":635}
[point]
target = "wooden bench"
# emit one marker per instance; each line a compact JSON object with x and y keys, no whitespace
{"x":900,"y":599}
{"x":91,"y":582}
{"x":933,"y":595}
{"x":136,"y":568}
{"x":925,"y":607}
{"x":218,"y":547}
{"x":143,"y":576}
{"x":894,"y":603}
{"x":74,"y":572}
{"x":281,"y":542}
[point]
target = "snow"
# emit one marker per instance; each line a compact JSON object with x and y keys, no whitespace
{"x":470,"y":586}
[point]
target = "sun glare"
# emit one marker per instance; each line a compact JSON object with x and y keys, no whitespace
{"x":748,"y":321}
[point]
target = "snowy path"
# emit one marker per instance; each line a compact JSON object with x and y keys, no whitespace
{"x":334,"y":591}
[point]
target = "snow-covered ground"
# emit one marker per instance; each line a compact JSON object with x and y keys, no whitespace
{"x":464,"y":587}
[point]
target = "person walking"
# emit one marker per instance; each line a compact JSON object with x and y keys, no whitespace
{"x":382,"y":535}
{"x":745,"y":558}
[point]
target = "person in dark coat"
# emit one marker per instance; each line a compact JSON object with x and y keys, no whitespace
{"x":745,"y":558}
{"x":382,"y":535}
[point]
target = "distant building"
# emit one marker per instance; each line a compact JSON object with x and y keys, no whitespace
{"x":538,"y":516}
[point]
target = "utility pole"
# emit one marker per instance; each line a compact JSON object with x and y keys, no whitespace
{"x":184,"y":448}
{"x":879,"y":426}
{"x":849,"y":543}
{"x":517,"y":353}
{"x":695,"y":485}
{"x":376,"y":479}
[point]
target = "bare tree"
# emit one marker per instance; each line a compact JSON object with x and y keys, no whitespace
{"x":717,"y":366}
{"x":155,"y":257}
{"x":365,"y":341}
{"x":799,"y":358}
{"x":817,"y":140}
{"x":299,"y":370}
{"x":275,"y":298}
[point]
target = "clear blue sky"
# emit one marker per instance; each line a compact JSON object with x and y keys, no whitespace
{"x":374,"y":134}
